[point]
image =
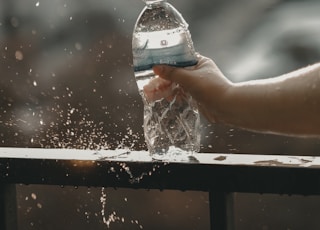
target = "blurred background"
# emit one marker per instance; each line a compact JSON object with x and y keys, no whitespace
{"x":66,"y":81}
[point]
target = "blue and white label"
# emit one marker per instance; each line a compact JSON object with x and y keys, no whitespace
{"x":172,"y":47}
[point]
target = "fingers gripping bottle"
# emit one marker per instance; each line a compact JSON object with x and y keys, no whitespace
{"x":171,"y":118}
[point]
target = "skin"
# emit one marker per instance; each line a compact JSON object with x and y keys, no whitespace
{"x":287,"y":105}
{"x":157,"y":89}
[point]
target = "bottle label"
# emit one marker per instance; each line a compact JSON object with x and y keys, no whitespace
{"x":171,"y":47}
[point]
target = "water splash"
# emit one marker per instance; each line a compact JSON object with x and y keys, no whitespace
{"x":74,"y":127}
{"x":125,"y":154}
{"x":136,"y":179}
{"x":112,"y":217}
{"x":67,"y":123}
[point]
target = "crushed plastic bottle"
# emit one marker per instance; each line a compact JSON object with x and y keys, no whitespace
{"x":171,"y":118}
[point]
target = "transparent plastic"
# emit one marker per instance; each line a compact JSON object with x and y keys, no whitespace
{"x":171,"y":118}
{"x":161,"y":36}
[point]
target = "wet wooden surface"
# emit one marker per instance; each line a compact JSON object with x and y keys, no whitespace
{"x":137,"y":169}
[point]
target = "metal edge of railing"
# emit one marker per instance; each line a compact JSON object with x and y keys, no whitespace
{"x":218,"y":174}
{"x":203,"y":172}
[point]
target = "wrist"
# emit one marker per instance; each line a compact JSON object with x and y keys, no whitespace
{"x":225,"y":105}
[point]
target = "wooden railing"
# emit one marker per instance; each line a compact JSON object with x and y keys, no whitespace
{"x":219,"y":174}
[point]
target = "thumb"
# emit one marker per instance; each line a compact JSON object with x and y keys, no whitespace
{"x":182,"y":76}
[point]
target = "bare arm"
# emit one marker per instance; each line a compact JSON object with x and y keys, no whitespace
{"x":289,"y":104}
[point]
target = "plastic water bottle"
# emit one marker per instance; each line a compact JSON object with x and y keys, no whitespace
{"x":171,"y":118}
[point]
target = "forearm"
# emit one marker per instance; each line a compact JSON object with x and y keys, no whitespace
{"x":289,"y":104}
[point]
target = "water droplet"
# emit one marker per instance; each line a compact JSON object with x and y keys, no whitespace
{"x":78,"y":46}
{"x":37,"y":4}
{"x":19,"y":55}
{"x":33,"y":196}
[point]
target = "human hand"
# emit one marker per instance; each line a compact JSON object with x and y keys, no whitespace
{"x":204,"y":81}
{"x":158,"y":88}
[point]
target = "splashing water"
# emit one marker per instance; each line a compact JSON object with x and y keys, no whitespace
{"x":123,"y":167}
{"x":64,"y":122}
{"x":112,"y":217}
